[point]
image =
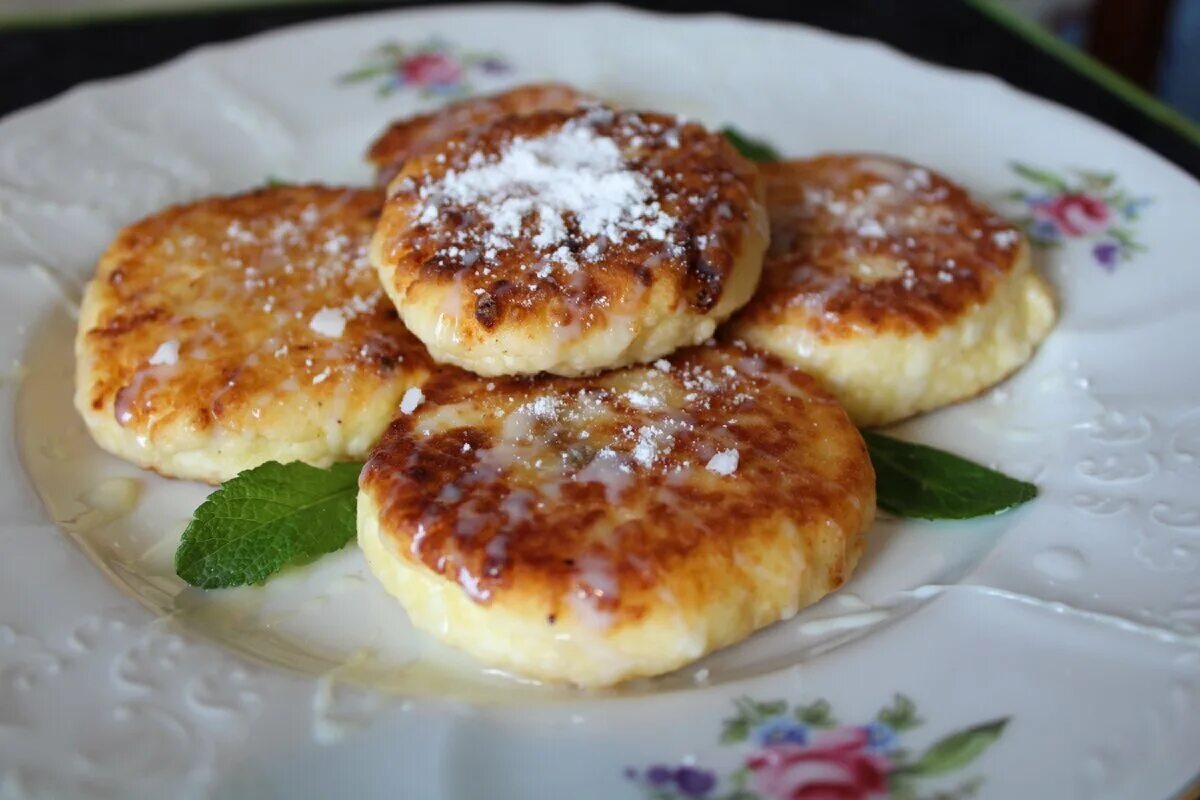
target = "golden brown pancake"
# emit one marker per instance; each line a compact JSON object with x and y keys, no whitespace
{"x":571,"y":242}
{"x":892,"y":286}
{"x":595,"y":529}
{"x":410,"y":137}
{"x":231,"y":331}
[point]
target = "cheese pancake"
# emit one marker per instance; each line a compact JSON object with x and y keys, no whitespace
{"x":571,"y":242}
{"x":892,"y":286}
{"x":595,"y":529}
{"x":409,"y":137}
{"x":235,"y":330}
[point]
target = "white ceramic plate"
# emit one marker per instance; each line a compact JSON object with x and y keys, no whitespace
{"x":1049,"y":652}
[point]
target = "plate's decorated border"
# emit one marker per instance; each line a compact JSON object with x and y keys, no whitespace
{"x":801,"y":752}
{"x":1085,"y":205}
{"x":432,"y":67}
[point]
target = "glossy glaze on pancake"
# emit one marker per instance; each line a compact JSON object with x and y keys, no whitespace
{"x":234,"y":330}
{"x":571,"y":242}
{"x":593,"y":529}
{"x":892,"y":285}
{"x":407,"y":138}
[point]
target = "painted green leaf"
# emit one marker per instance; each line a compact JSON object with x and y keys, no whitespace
{"x":266,"y":518}
{"x":955,"y":751}
{"x":901,"y":788}
{"x":912,"y":480}
{"x":1097,"y":181}
{"x":365,"y":73}
{"x":1041,"y":177}
{"x":816,"y":714}
{"x":770,"y":709}
{"x":735,"y":730}
{"x":753,"y":149}
{"x":901,"y":715}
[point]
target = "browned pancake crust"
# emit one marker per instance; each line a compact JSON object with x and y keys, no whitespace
{"x":697,"y":176}
{"x":931,"y":252}
{"x":407,"y":138}
{"x":236,"y":281}
{"x":511,"y":518}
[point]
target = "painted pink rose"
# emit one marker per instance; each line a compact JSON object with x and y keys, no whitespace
{"x":1077,"y":214}
{"x":431,"y":69}
{"x":837,"y":766}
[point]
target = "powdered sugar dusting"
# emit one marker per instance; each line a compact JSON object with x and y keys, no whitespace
{"x":330,"y":322}
{"x":166,"y":354}
{"x":723,"y":463}
{"x":570,"y":180}
{"x":413,"y":397}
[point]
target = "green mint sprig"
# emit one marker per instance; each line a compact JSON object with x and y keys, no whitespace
{"x":753,"y":149}
{"x":266,"y":518}
{"x":279,"y":514}
{"x":912,"y":480}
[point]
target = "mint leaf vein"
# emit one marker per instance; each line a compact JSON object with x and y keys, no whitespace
{"x":265,"y":518}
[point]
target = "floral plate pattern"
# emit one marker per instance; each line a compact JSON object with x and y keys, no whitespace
{"x":1088,"y":205}
{"x":433,"y":67}
{"x":803,"y":753}
{"x":1053,"y":652}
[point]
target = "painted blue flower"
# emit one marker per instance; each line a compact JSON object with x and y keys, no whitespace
{"x":1107,"y":254}
{"x":1132,"y":208}
{"x":880,"y":737}
{"x":782,"y":731}
{"x":1044,"y":230}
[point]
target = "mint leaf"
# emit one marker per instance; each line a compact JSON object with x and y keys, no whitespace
{"x":266,"y":518}
{"x":958,"y":749}
{"x":753,"y":149}
{"x":913,"y":480}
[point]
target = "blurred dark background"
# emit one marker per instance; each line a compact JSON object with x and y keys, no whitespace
{"x":1155,"y":44}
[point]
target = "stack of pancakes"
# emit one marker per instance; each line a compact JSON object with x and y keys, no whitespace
{"x":606,"y":373}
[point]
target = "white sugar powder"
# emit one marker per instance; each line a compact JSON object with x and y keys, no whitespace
{"x":871,"y":229}
{"x":329,"y":322}
{"x":412,"y":398}
{"x":545,"y":407}
{"x":651,"y":440}
{"x":166,"y":354}
{"x":641,"y":400}
{"x":723,"y":463}
{"x":572,"y":170}
{"x":1005,"y":239}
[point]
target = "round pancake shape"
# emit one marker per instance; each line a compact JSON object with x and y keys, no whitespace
{"x":406,"y":138}
{"x":571,"y":242}
{"x":591,"y":530}
{"x":892,"y":286}
{"x":232,"y":331}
